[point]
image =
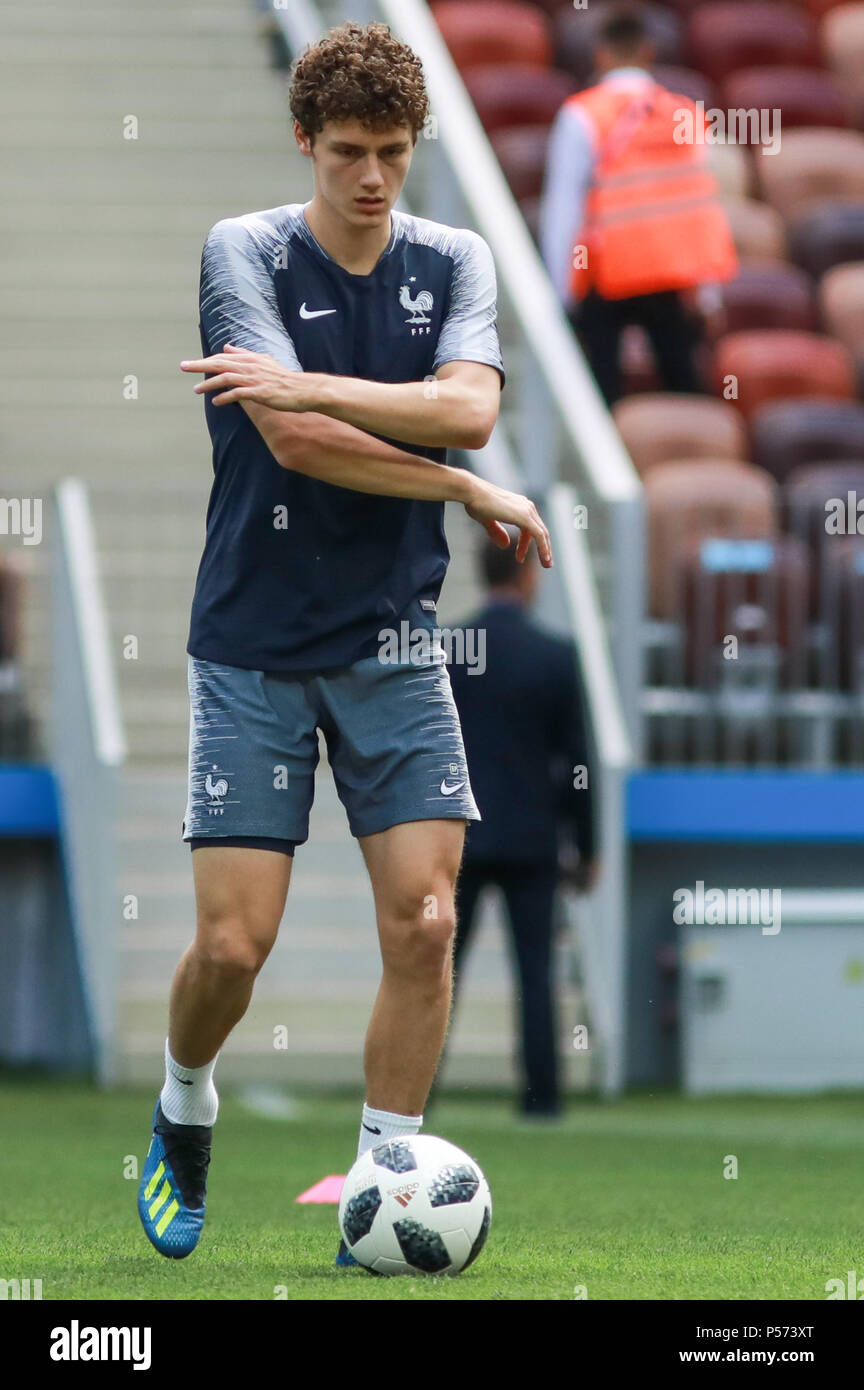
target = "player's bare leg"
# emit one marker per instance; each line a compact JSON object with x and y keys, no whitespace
{"x":240,"y":895}
{"x":413,"y":868}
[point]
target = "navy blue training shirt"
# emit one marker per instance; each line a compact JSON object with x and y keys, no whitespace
{"x":298,"y":574}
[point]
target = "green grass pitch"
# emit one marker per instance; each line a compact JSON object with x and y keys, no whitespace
{"x":626,"y":1199}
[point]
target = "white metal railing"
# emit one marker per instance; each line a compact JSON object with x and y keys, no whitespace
{"x":559,"y":426}
{"x":599,"y":920}
{"x":87,"y":748}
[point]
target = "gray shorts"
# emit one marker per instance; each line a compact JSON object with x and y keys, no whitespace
{"x":393,"y":741}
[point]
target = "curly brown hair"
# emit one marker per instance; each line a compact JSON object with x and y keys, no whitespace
{"x":361,"y":73}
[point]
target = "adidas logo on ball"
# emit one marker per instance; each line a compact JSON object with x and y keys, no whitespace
{"x":404,"y":1194}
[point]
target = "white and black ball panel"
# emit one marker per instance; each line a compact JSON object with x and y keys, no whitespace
{"x":456,"y":1182}
{"x":434,"y":1210}
{"x":397,"y":1156}
{"x":421,"y":1247}
{"x":360,"y":1212}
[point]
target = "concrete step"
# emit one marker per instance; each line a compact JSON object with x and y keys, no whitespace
{"x":152,"y":356}
{"x":171,"y":264}
{"x":137,"y":173}
{"x":190,"y":219}
{"x":46,"y":90}
{"x":84,"y":54}
{"x":169,"y":134}
{"x":179,"y":22}
{"x":99,"y":444}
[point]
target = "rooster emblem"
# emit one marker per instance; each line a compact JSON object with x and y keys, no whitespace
{"x":217,"y":790}
{"x":419,"y":307}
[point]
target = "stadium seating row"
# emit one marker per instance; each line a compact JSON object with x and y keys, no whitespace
{"x":751,"y":489}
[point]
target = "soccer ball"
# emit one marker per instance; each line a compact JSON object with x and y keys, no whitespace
{"x":415,"y":1205}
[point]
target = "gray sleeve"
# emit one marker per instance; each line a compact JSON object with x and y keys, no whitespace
{"x":569,"y":165}
{"x":469,"y":333}
{"x":237,"y":302}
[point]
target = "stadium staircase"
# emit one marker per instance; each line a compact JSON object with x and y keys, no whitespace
{"x":104,"y":233}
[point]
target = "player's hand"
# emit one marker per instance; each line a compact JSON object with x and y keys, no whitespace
{"x":492,"y":505}
{"x":241,"y":375}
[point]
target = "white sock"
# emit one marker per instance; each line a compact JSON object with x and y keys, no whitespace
{"x":189,"y":1096}
{"x":378,"y":1126}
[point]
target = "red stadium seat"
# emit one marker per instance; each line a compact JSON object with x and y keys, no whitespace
{"x":841,"y":299}
{"x":494,"y":31}
{"x":517,"y":96}
{"x":666,"y":425}
{"x":804,"y":96}
{"x":757,"y":229}
{"x":521,"y":153}
{"x":755,"y":590}
{"x":811,"y":166}
{"x":809,"y":494}
{"x":810,"y":486}
{"x":842,"y":37}
{"x":722,"y":38}
{"x":787,"y":434}
{"x":687,"y":503}
{"x":768,"y":294}
{"x":771,"y":364}
{"x":732,"y":167}
{"x":828,"y":235}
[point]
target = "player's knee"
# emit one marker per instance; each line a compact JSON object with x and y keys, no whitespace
{"x":229,"y":949}
{"x":418,"y":943}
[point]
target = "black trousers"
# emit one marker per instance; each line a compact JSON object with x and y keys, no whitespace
{"x":598,"y":324}
{"x":529,"y":895}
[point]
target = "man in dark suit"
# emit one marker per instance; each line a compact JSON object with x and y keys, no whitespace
{"x":526,"y":743}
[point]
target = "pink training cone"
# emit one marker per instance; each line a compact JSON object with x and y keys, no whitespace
{"x":327,"y":1190}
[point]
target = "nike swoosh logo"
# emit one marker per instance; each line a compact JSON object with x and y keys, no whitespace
{"x":180,"y":1079}
{"x":315,"y":313}
{"x":370,"y":1129}
{"x":447,"y":790}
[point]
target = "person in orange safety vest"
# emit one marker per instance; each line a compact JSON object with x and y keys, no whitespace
{"x":630,"y":215}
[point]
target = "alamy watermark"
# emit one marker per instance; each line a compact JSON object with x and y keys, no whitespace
{"x":736,"y":126}
{"x":77,"y":1343}
{"x":727,"y":907}
{"x":844,"y":516}
{"x":22,"y":516}
{"x":421,"y":646}
{"x":20,"y":1289}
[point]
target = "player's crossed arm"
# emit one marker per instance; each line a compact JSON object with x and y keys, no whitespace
{"x":456,"y":409}
{"x":346,"y":453}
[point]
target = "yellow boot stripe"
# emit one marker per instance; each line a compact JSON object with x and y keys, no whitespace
{"x":152,"y":1184}
{"x":160,"y":1201}
{"x":167,"y":1217}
